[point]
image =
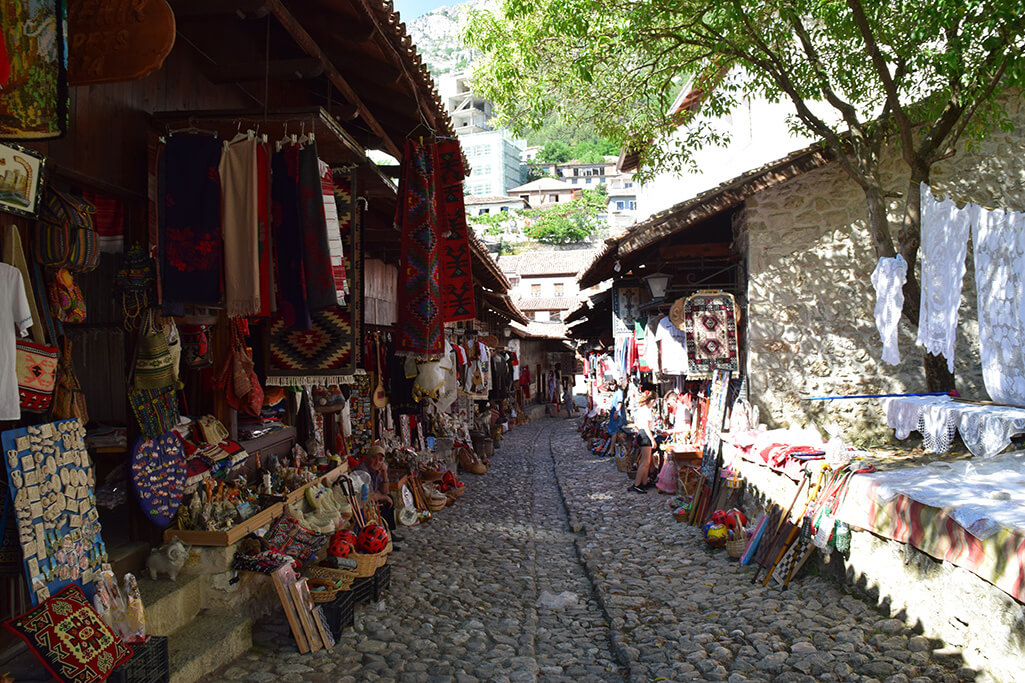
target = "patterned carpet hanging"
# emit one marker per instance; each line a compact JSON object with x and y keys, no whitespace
{"x":711,"y":327}
{"x":420,"y":326}
{"x":457,"y":300}
{"x":326,"y":353}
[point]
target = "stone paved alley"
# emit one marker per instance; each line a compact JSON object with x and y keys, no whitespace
{"x":654,"y":604}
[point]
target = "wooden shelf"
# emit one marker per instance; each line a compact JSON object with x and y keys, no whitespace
{"x":260,"y":519}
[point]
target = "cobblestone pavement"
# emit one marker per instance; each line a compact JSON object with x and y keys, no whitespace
{"x":474,"y":592}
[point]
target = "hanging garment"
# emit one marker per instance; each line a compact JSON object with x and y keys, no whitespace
{"x":109,"y":221}
{"x":457,"y":298}
{"x":286,"y":229}
{"x":15,"y":319}
{"x":191,"y":249}
{"x":673,"y":353}
{"x":888,"y":279}
{"x":267,"y":305}
{"x":944,"y":247}
{"x":334,"y":233}
{"x":320,"y":282}
{"x":420,"y":324}
{"x":240,"y":211}
{"x":14,"y":255}
{"x":999,"y":244}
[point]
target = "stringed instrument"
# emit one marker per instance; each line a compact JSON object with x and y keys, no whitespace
{"x":380,"y":396}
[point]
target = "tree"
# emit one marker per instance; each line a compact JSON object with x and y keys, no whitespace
{"x":555,"y":152}
{"x":572,"y":221}
{"x":928,"y":74}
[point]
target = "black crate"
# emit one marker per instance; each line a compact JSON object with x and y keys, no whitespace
{"x":147,"y":665}
{"x":363,"y":590}
{"x":382,"y":579}
{"x":340,"y":613}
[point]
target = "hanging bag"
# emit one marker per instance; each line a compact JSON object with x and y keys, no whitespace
{"x":66,"y":300}
{"x":66,"y":237}
{"x":154,"y":403}
{"x":69,"y":399}
{"x":238,"y":377}
{"x":36,"y":366}
{"x":154,"y":365}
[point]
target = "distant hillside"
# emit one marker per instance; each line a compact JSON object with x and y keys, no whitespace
{"x":437,"y":37}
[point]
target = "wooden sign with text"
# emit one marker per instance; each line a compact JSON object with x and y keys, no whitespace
{"x":117,"y":40}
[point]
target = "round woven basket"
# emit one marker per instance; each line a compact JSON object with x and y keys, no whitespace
{"x":736,"y":547}
{"x":342,"y":577}
{"x":322,"y":590}
{"x":436,"y":504}
{"x":431,"y":475}
{"x":367,"y":564}
{"x":623,"y":463}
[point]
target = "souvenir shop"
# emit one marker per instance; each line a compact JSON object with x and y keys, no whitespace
{"x":236,"y":332}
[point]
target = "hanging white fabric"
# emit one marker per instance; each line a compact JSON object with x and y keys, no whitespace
{"x":944,"y":247}
{"x":999,"y":244}
{"x":889,"y":278}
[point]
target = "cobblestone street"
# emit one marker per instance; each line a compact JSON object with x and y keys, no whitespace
{"x":472,"y":594}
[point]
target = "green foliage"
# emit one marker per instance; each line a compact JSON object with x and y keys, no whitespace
{"x":572,"y":221}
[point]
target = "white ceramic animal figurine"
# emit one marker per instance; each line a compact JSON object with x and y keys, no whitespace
{"x":167,"y":559}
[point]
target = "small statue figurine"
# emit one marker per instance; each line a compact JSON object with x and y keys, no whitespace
{"x":167,"y":559}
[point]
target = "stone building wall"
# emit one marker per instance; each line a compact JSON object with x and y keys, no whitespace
{"x":811,"y":329}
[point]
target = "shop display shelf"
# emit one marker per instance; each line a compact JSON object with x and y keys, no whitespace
{"x":363,"y":590}
{"x":382,"y":579}
{"x":149,"y":663}
{"x":257,"y":521}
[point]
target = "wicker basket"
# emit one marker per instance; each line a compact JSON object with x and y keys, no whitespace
{"x":681,"y":515}
{"x":342,"y":577}
{"x":430,"y":475}
{"x":436,"y":504}
{"x":736,"y":547}
{"x":623,"y":463}
{"x":322,"y":590}
{"x":367,"y":564}
{"x":457,"y":491}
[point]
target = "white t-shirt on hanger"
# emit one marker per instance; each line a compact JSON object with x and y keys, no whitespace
{"x":673,"y":355}
{"x":15,"y":319}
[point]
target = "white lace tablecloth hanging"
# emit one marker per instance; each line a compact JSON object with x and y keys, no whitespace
{"x":999,"y":244}
{"x":985,"y":429}
{"x":888,"y":278}
{"x":943,"y":251}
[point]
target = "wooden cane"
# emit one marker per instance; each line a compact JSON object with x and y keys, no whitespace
{"x":785,"y":518}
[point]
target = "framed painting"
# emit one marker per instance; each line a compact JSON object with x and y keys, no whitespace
{"x":21,"y":179}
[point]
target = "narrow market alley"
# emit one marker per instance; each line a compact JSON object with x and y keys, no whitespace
{"x":549,"y":569}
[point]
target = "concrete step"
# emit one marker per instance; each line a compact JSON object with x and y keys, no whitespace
{"x":170,"y":605}
{"x":211,"y":640}
{"x":129,"y":558}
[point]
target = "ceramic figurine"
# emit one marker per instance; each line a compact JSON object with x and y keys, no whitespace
{"x":167,"y":559}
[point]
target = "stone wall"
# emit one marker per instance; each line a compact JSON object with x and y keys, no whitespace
{"x":811,"y":329}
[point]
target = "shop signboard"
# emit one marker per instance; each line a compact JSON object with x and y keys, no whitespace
{"x":626,"y":302}
{"x":117,"y":40}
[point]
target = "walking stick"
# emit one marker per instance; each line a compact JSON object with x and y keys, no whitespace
{"x":785,"y":518}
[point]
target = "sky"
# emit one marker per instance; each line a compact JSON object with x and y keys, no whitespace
{"x":411,"y":9}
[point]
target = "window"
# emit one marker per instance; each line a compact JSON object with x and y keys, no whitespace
{"x":530,"y":315}
{"x":628,"y":184}
{"x":560,"y":289}
{"x":484,"y":211}
{"x":633,"y":206}
{"x":574,"y":181}
{"x":620,"y":206}
{"x":555,"y":316}
{"x":525,"y":197}
{"x":505,"y":209}
{"x":535,"y":289}
{"x":587,"y":180}
{"x":553,"y":198}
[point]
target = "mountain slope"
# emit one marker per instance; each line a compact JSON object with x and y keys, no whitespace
{"x":437,"y":36}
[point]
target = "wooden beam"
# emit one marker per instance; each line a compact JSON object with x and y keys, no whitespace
{"x":275,"y":70}
{"x":311,"y":48}
{"x":185,"y":10}
{"x":353,"y":32}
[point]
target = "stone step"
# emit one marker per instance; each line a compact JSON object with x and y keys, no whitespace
{"x":210,"y":641}
{"x":170,"y":605}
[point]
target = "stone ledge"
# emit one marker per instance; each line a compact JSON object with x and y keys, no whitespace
{"x":942,"y":600}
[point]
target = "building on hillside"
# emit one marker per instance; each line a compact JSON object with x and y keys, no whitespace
{"x":469,"y":112}
{"x":622,"y":202}
{"x":581,"y":173}
{"x":545,"y":192}
{"x":544,"y":282}
{"x":510,"y":230}
{"x":529,"y":155}
{"x":479,"y":206}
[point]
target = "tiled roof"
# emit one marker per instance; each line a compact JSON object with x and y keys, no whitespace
{"x":543,"y":185}
{"x":547,"y":262}
{"x":471,"y":199}
{"x":546,"y":303}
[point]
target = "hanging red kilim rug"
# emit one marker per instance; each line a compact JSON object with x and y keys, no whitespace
{"x":70,"y":639}
{"x":711,"y":327}
{"x":328,"y":352}
{"x":419,"y":312}
{"x":457,"y":301}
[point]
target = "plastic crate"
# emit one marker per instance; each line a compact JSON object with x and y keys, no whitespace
{"x":363,"y":590}
{"x":148,"y":663}
{"x":340,"y":613}
{"x":382,"y":579}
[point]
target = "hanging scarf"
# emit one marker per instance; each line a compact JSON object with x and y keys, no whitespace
{"x":420,"y":326}
{"x":331,"y":197}
{"x":191,"y":251}
{"x":240,"y":211}
{"x":263,"y":230}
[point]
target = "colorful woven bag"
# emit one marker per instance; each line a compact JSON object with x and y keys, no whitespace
{"x":156,"y":410}
{"x":66,"y":300}
{"x":154,"y":365}
{"x":66,"y":237}
{"x":37,"y":374}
